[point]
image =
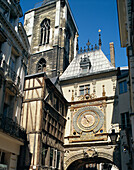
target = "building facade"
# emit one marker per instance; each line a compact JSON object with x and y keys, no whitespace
{"x":13,"y":60}
{"x":52,"y":33}
{"x":90,"y":86}
{"x":125,"y":128}
{"x":126,"y":28}
{"x":43,"y":117}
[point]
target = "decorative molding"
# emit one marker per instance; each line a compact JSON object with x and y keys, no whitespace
{"x":87,"y":97}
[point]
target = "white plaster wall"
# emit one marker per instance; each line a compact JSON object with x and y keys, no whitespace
{"x":68,"y":124}
{"x":67,"y":89}
{"x":109,"y":114}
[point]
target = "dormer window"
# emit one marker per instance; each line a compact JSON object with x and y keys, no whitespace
{"x":41,"y":66}
{"x":45,"y":31}
{"x":85,"y":64}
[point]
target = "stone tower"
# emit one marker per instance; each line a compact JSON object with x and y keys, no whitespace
{"x":52,"y":33}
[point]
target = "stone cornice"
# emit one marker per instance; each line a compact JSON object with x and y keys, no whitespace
{"x":24,"y":36}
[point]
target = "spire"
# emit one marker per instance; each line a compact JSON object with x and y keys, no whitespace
{"x":100,"y":43}
{"x":88,"y":44}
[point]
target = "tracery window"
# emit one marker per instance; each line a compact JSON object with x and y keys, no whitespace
{"x":41,"y":66}
{"x":45,"y":31}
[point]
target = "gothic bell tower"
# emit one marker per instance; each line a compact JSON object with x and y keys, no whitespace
{"x":52,"y":34}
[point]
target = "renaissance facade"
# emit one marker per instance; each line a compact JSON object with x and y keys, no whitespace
{"x":90,"y":86}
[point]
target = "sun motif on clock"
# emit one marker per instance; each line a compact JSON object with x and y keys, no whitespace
{"x":88,"y":119}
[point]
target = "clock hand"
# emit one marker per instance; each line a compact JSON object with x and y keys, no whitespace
{"x":86,"y":119}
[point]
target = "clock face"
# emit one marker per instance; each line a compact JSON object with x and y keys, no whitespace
{"x":88,"y":119}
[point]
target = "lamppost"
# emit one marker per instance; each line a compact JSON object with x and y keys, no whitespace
{"x":113,"y":136}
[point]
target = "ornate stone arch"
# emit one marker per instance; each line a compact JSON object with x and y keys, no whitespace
{"x":82,"y":155}
{"x":41,"y":65}
{"x":45,"y":31}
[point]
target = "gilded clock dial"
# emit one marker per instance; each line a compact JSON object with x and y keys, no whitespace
{"x":87,"y":120}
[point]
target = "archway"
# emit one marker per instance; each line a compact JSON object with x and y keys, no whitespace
{"x":91,"y":161}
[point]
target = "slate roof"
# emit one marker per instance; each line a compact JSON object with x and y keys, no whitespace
{"x":55,"y":81}
{"x":99,"y":63}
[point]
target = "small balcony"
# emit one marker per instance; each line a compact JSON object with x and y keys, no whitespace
{"x":8,"y":126}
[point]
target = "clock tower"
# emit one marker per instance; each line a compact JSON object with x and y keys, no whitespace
{"x":89,"y":84}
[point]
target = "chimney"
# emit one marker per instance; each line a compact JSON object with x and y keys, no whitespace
{"x":112,"y":53}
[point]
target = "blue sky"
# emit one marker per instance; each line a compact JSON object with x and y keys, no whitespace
{"x":90,"y":16}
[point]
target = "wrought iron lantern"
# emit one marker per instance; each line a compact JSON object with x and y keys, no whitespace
{"x":113,"y":136}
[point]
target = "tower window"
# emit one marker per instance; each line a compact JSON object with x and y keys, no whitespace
{"x":45,"y":31}
{"x":41,"y":66}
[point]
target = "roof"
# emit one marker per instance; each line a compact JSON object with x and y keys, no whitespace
{"x":99,"y":63}
{"x":55,"y":81}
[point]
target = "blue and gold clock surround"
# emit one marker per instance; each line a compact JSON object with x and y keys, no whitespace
{"x":88,"y":119}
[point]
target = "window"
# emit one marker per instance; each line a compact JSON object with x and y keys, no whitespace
{"x":45,"y":31}
{"x":8,"y":110}
{"x":12,"y":69}
{"x":85,"y":89}
{"x":125,"y":120}
{"x":12,"y":62}
{"x":58,"y":160}
{"x":123,"y":87}
{"x":56,"y":103}
{"x":55,"y":157}
{"x":41,"y":66}
{"x":44,"y":154}
{"x":2,"y":157}
{"x":51,"y":157}
{"x":61,"y":107}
